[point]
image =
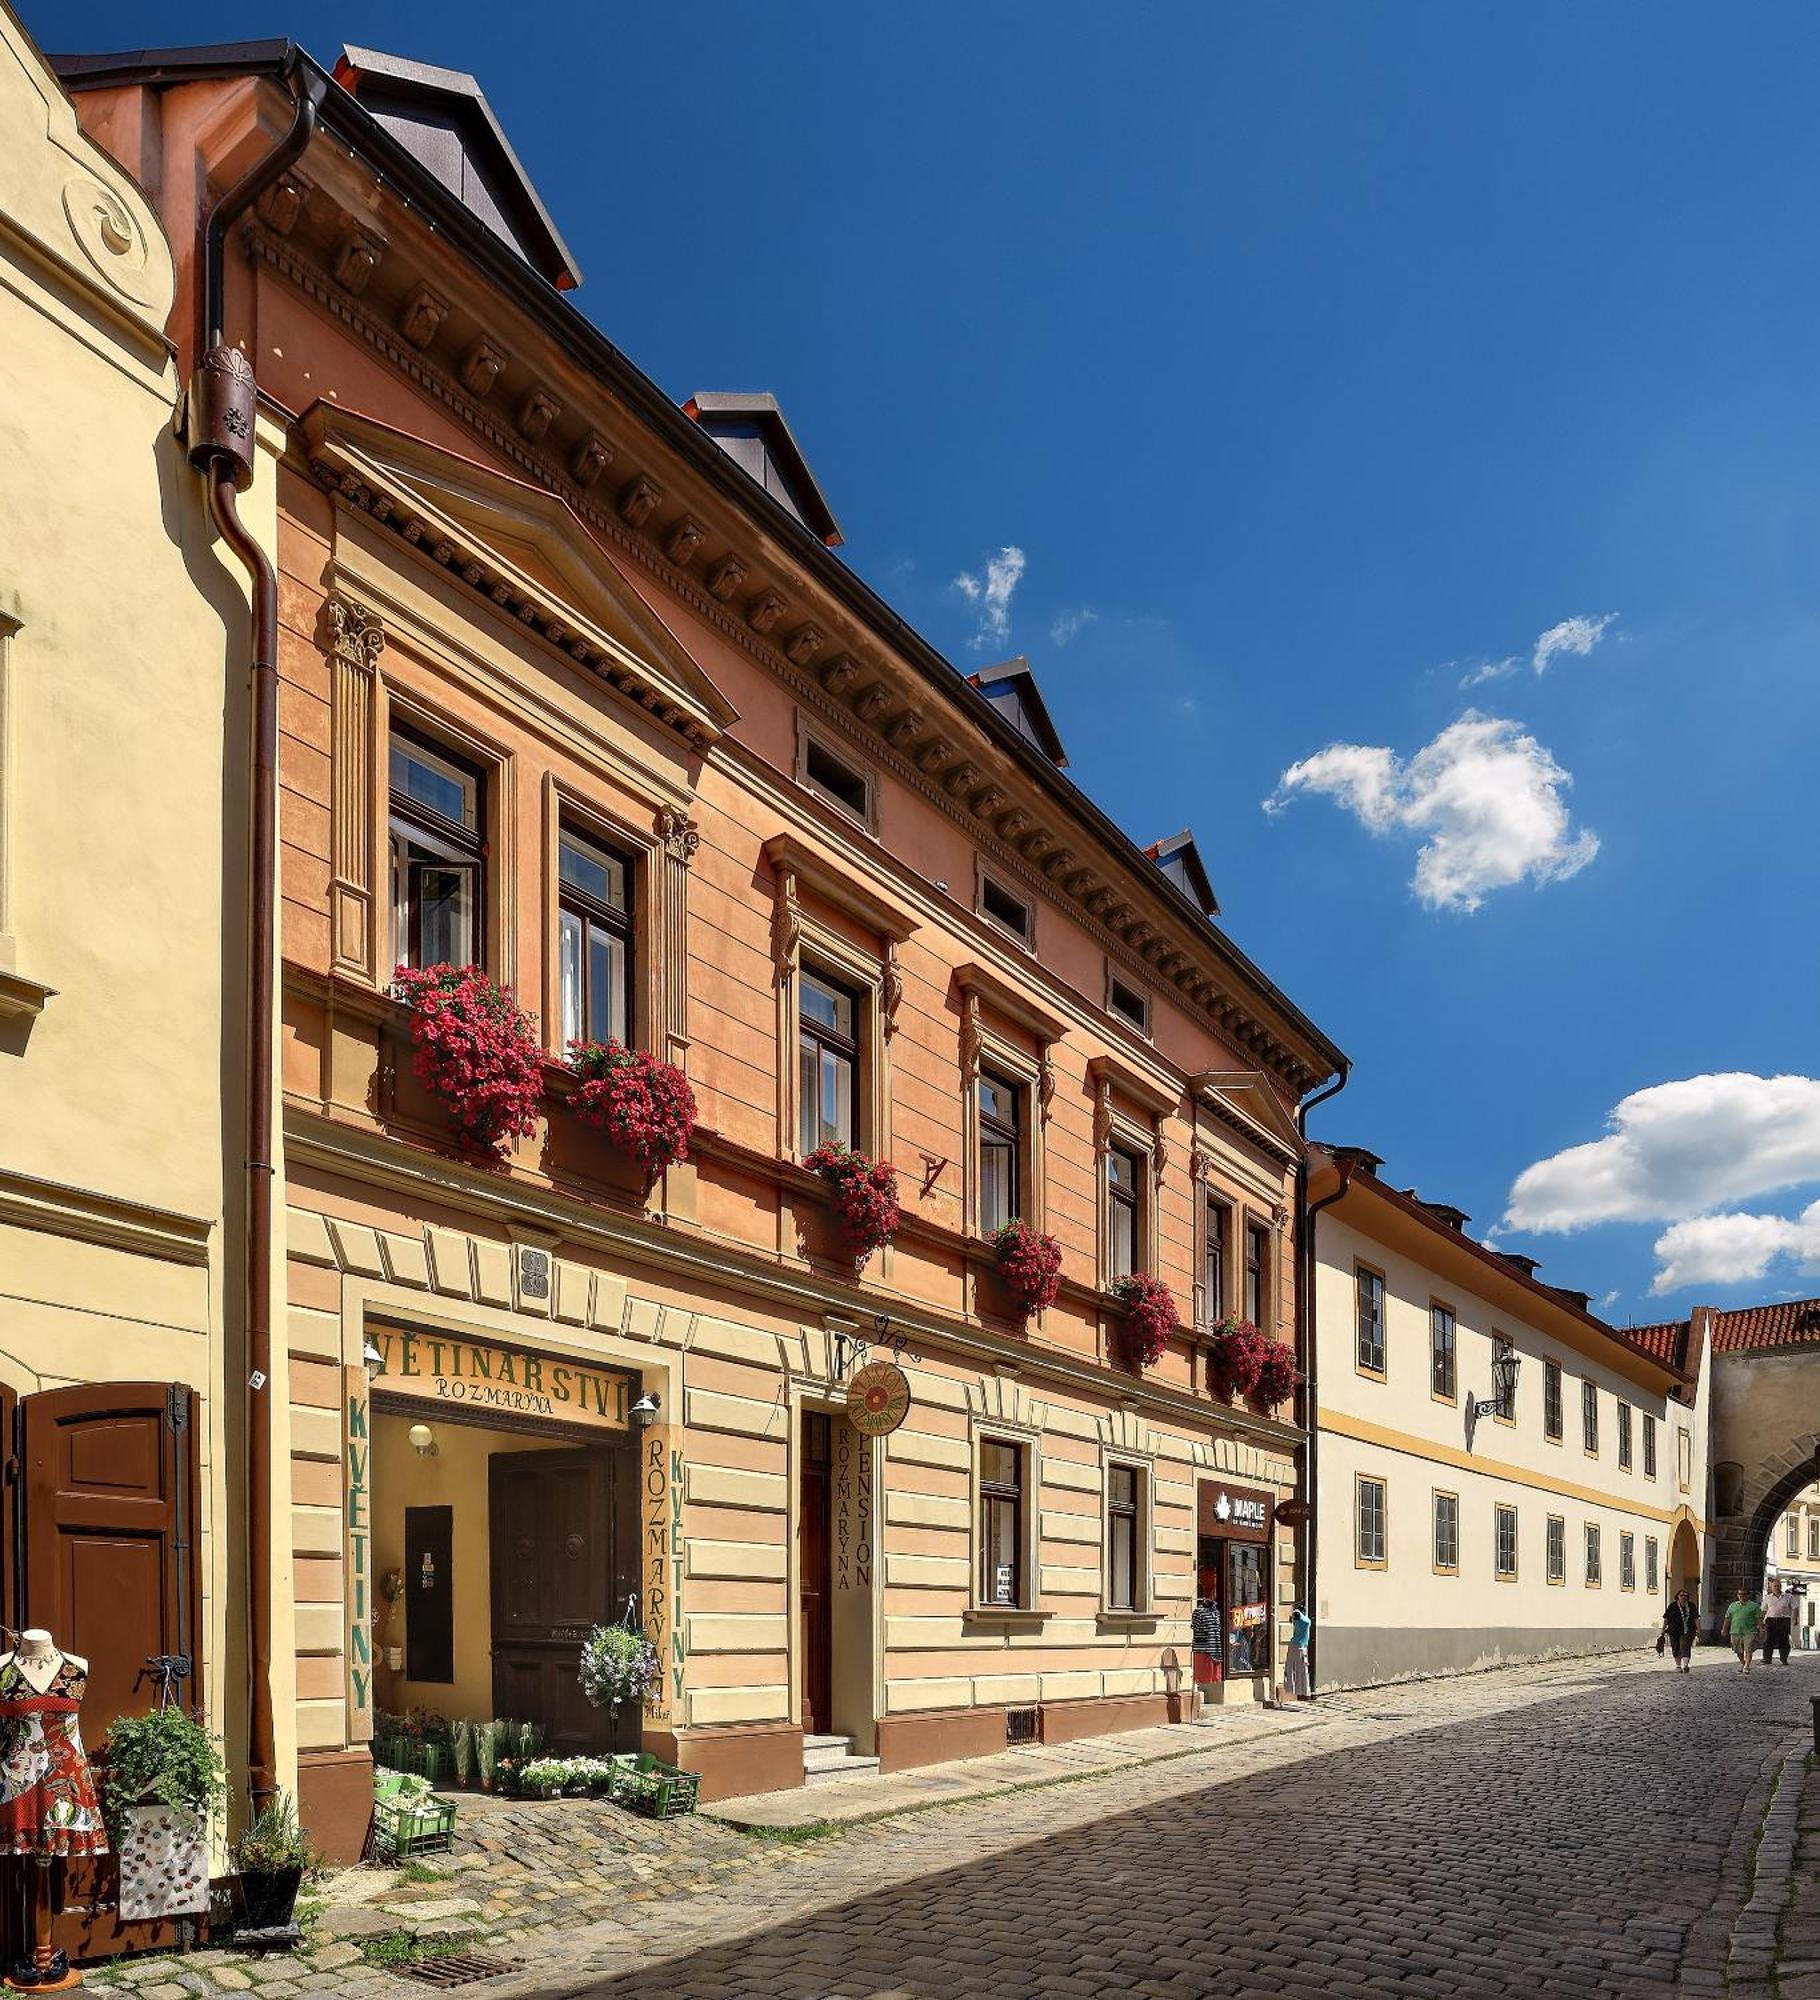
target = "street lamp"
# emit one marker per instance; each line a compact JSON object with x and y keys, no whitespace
{"x":1503,"y":1400}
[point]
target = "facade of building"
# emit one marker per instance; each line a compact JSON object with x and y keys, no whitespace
{"x":573,"y":689}
{"x":1452,"y":1535}
{"x":1794,"y":1560}
{"x":119,"y":998}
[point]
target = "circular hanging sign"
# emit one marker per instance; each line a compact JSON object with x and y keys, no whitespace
{"x":878,"y":1399}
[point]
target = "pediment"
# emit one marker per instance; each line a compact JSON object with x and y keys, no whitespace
{"x":526,"y":551}
{"x":1244,"y":1098}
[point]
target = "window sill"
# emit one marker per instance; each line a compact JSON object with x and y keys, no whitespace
{"x":22,"y":999}
{"x":1127,"y":1621}
{"x":1010,"y":1617}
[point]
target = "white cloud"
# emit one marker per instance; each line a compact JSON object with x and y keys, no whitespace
{"x":1484,"y":796}
{"x":1489,"y":670}
{"x":1069,"y":624}
{"x":992,"y":593}
{"x":1734,"y":1249}
{"x":1573,"y":635}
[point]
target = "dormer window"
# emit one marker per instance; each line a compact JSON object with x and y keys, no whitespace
{"x":837,"y":778}
{"x":1009,"y":912}
{"x":1130,"y":1005}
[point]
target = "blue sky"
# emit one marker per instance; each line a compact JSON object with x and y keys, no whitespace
{"x":1314,"y":360}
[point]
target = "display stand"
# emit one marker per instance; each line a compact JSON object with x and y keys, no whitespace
{"x":47,"y":1971}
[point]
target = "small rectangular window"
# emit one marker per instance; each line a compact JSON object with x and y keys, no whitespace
{"x":1594,"y":1573}
{"x":594,"y":933}
{"x":1128,"y":1003}
{"x":1552,"y":1421}
{"x":1368,"y":1509}
{"x":438,"y":849}
{"x":1447,"y":1532}
{"x":828,"y":1052}
{"x":1813,"y":1538}
{"x":1123,"y":1248}
{"x":1589,"y":1417}
{"x":836,"y":779}
{"x":1371,"y":1321}
{"x":1557,"y":1549}
{"x":1001,"y":1496}
{"x":1627,"y":1561}
{"x":1793,"y":1547}
{"x":1504,"y":1536}
{"x":1000,"y":1107}
{"x":1624,"y":1446}
{"x":1442,"y":1341}
{"x":1684,"y":1458}
{"x":1652,"y":1565}
{"x":1257,"y":1276}
{"x":1219,"y":1225}
{"x":1124,"y":1547}
{"x":1649,"y":1446}
{"x":1004,"y":908}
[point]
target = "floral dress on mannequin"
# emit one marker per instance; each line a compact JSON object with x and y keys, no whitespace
{"x":47,"y":1792}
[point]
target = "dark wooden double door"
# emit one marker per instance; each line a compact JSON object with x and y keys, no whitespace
{"x":814,"y":1571}
{"x":563,"y":1532}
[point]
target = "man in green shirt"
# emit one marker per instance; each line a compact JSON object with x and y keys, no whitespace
{"x":1743,"y":1619}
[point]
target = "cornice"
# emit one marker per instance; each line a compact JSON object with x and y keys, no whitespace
{"x":53,"y":1209}
{"x":1010,"y":1002}
{"x":784,"y":853}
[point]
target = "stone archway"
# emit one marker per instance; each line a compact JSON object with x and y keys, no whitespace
{"x":1765,"y":1442}
{"x":1684,"y":1559}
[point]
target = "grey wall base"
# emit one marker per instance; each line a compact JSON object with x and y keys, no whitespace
{"x":1364,"y":1655}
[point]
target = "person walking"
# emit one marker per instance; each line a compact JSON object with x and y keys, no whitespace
{"x":1778,"y":1620}
{"x":1743,"y":1618}
{"x":1295,"y":1661}
{"x":1680,"y":1627}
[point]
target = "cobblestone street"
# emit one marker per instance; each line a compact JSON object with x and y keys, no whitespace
{"x":1586,"y":1827}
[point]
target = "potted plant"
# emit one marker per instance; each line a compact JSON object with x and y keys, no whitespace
{"x":1235,"y":1355}
{"x":1029,"y":1264}
{"x":461,"y":1745}
{"x":272,"y":1856}
{"x":618,"y":1665}
{"x":865,"y":1196}
{"x":487,"y":1739}
{"x":476,"y":1050}
{"x":1277,"y":1375}
{"x":162,"y":1780}
{"x":1150,"y":1318}
{"x":644,"y":1106}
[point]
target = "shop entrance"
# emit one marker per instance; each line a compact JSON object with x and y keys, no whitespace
{"x":836,"y":1603}
{"x":1232,"y":1612}
{"x":815,"y":1573}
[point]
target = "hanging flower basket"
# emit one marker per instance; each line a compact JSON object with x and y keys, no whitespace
{"x":865,"y":1196}
{"x":644,"y":1106}
{"x":1277,"y":1375}
{"x":474,"y":1048}
{"x":1029,"y":1264}
{"x":1235,"y":1355}
{"x":1149,"y":1309}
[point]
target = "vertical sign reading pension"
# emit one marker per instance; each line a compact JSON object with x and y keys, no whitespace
{"x":662,"y":1482}
{"x":357,"y":1552}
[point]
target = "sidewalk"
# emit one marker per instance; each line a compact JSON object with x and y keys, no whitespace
{"x":1798,"y":1958}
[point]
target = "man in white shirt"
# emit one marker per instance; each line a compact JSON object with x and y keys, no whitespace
{"x":1778,"y":1620}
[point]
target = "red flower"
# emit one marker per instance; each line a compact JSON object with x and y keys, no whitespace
{"x":1235,"y":1357}
{"x":865,"y":1196}
{"x":1277,"y":1375}
{"x":644,"y":1106}
{"x":476,"y":1050}
{"x":1150,"y":1317}
{"x":1029,"y":1263}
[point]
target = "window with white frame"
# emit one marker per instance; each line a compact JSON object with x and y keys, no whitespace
{"x":828,"y":1027}
{"x":1004,"y":1497}
{"x":438,"y":853}
{"x":1794,"y":1536}
{"x":594,"y":939}
{"x":1218,"y":1249}
{"x":1124,"y":1212}
{"x":1001,"y":1109}
{"x":1504,"y":1541}
{"x":1813,"y":1538}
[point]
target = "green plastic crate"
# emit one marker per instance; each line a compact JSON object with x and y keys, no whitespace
{"x":405,"y":1826}
{"x":650,"y":1786}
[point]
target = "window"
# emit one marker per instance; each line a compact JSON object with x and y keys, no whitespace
{"x":1593,"y":1575}
{"x":1649,"y":1446}
{"x":1122,"y":1246}
{"x":1001,"y":1522}
{"x":1589,"y":1417}
{"x":1000,"y":1103}
{"x":438,"y":848}
{"x":1684,"y":1457}
{"x":1124,"y":1538}
{"x":1623,"y":1435}
{"x":1502,"y":1349}
{"x":836,"y":779}
{"x":1257,"y":1275}
{"x":1368,"y":1514}
{"x":1557,"y":1549}
{"x":1627,"y":1561}
{"x":828,"y":1050}
{"x":1551,"y":1401}
{"x":1794,"y":1536}
{"x":594,"y":918}
{"x":1447,"y":1532}
{"x":998,"y":903}
{"x":1442,"y":1344}
{"x":1813,"y":1539}
{"x":1219,"y":1223}
{"x":1652,"y":1565}
{"x":1371,"y":1321}
{"x":1128,"y":1003}
{"x":1504,"y":1541}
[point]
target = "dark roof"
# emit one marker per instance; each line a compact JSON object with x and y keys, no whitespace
{"x":583,"y":342}
{"x":731,"y":419}
{"x":1180,"y":859}
{"x":1012,"y":689}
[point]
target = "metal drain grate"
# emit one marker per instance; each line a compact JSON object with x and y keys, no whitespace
{"x":457,"y":1968}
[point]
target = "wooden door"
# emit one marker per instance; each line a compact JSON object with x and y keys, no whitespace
{"x":814,"y":1577}
{"x":108,"y":1498}
{"x":562,"y":1534}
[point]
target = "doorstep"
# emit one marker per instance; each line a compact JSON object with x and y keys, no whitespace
{"x":1030,"y":1764}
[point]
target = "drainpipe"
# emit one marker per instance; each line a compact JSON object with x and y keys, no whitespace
{"x":1310,"y":1346}
{"x":223,"y":405}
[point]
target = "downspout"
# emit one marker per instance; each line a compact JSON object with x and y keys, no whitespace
{"x":1310,"y":1348}
{"x":223,"y":407}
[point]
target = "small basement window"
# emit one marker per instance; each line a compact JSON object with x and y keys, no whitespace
{"x":837,"y":779}
{"x":1004,"y":908}
{"x":1128,"y":1003}
{"x":1020,"y":1725}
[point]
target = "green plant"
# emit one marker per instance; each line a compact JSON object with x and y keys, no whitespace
{"x":274,"y":1842}
{"x":401,"y":1947}
{"x":486,"y":1750}
{"x":617,"y":1665}
{"x":461,"y":1739}
{"x":530,"y":1740}
{"x":165,"y":1759}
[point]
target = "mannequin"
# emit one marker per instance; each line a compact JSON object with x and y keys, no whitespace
{"x":48,"y":1807}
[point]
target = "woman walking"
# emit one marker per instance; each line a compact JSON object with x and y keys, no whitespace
{"x":1680,"y":1627}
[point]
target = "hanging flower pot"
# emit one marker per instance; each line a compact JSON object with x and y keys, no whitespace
{"x":644,"y":1107}
{"x":1277,"y":1375}
{"x":475,"y":1050}
{"x":1235,"y":1354}
{"x":865,"y":1196}
{"x":1029,"y":1265}
{"x":1150,"y":1318}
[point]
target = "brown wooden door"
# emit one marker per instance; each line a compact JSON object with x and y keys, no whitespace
{"x":814,"y":1573}
{"x":108,"y":1499}
{"x":563,"y":1527}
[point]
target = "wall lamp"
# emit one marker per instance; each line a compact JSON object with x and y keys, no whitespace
{"x":644,"y":1412}
{"x":370,"y":1357}
{"x":423,"y":1440}
{"x":1503,"y":1401}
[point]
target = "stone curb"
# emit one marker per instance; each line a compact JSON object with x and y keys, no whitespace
{"x":1752,"y":1951}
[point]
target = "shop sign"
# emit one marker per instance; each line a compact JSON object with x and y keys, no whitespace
{"x":476,"y":1375}
{"x":357,"y":1552}
{"x":878,"y":1399}
{"x":1240,"y":1513}
{"x":663,"y":1568}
